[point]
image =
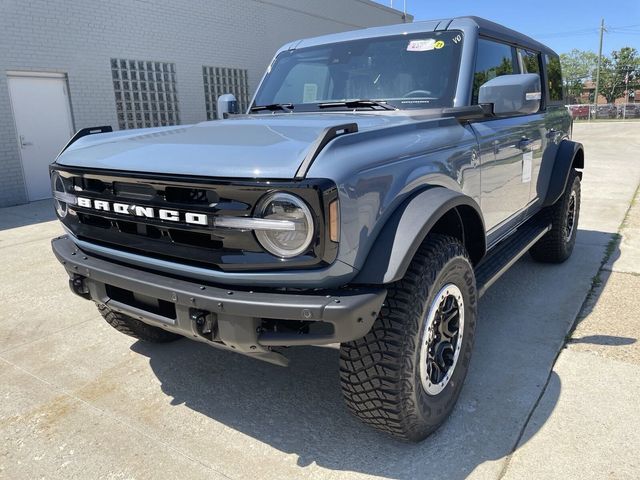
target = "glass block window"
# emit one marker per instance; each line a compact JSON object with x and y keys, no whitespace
{"x":145,"y":93}
{"x":221,"y":80}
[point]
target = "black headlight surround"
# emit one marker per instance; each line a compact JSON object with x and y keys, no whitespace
{"x":61,"y":189}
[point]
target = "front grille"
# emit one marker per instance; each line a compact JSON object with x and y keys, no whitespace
{"x":193,"y":244}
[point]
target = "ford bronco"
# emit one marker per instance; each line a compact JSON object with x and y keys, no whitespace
{"x":380,"y":181}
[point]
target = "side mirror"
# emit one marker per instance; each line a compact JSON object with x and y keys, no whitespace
{"x":227,"y":104}
{"x":512,"y":94}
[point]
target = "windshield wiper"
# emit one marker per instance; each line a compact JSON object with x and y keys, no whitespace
{"x":285,"y":107}
{"x":359,"y":104}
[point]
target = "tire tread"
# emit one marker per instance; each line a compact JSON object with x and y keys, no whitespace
{"x":375,"y":370}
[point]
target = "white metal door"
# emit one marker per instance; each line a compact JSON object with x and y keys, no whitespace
{"x":43,"y":121}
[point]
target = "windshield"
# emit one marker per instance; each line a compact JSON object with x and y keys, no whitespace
{"x":404,"y":71}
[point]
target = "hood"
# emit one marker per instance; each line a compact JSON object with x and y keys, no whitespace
{"x":252,"y":146}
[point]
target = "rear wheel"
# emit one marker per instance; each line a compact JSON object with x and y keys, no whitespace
{"x":557,"y":244}
{"x":135,"y":328}
{"x":406,"y":374}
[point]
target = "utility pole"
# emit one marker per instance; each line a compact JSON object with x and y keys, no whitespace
{"x":595,"y":98}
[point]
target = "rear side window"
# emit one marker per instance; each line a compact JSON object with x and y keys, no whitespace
{"x":554,"y":78}
{"x":492,"y":60}
{"x":530,"y":62}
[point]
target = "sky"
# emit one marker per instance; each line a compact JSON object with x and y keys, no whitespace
{"x":560,"y":24}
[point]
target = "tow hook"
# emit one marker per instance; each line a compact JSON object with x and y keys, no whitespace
{"x":205,"y":322}
{"x":79,"y":286}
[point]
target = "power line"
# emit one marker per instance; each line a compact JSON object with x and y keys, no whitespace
{"x":571,"y":32}
{"x":625,"y":29}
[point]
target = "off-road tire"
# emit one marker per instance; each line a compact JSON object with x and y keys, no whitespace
{"x":554,"y":246}
{"x":135,"y":328}
{"x":380,"y":373}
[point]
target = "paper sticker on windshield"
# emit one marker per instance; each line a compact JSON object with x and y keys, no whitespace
{"x":421,"y":45}
{"x":310,"y":93}
{"x":438,"y":45}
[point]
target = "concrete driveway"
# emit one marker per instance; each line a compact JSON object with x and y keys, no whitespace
{"x":80,"y":400}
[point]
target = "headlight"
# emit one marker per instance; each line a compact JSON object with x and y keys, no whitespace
{"x":60,"y":196}
{"x":285,"y":243}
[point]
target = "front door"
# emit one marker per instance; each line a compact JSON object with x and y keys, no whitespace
{"x":506,"y":167}
{"x":43,"y":123}
{"x":505,"y":146}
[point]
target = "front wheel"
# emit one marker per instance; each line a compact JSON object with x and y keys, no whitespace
{"x":406,"y":374}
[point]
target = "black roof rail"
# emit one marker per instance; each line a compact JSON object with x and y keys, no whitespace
{"x":83,"y":132}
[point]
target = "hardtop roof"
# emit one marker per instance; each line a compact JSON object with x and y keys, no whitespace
{"x":483,"y":26}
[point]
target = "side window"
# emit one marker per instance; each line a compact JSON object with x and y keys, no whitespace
{"x":531,"y":64}
{"x":554,"y":78}
{"x":492,"y":60}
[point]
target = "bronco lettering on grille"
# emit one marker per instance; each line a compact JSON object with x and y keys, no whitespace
{"x":192,"y":218}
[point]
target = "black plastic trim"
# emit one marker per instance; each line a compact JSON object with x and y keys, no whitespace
{"x":323,"y":139}
{"x":507,"y":252}
{"x":470,"y":112}
{"x":83,"y":132}
{"x":562,"y":166}
{"x":350,"y":311}
{"x":408,"y":226}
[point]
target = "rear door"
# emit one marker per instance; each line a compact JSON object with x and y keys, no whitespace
{"x":553,"y":122}
{"x":536,"y":130}
{"x":506,"y":146}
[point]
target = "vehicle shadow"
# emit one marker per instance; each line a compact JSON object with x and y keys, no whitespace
{"x":299,"y":410}
{"x":27,"y":214}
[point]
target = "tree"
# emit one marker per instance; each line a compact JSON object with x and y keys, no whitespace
{"x":578,"y":66}
{"x":622,"y":65}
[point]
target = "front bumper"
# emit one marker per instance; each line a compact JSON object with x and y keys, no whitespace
{"x":235,"y":318}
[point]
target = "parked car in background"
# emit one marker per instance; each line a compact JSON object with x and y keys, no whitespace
{"x":579,"y":111}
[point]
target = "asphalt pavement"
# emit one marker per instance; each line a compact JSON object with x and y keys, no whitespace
{"x":80,"y":400}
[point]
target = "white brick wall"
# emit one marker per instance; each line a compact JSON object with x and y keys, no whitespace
{"x":80,"y":37}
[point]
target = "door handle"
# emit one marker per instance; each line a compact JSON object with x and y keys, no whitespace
{"x":24,"y":143}
{"x":475,"y":159}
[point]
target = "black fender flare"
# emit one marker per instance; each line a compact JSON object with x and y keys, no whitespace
{"x":570,"y":155}
{"x":407,"y":227}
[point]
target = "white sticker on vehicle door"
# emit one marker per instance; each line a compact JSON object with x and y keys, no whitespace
{"x":527,"y":164}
